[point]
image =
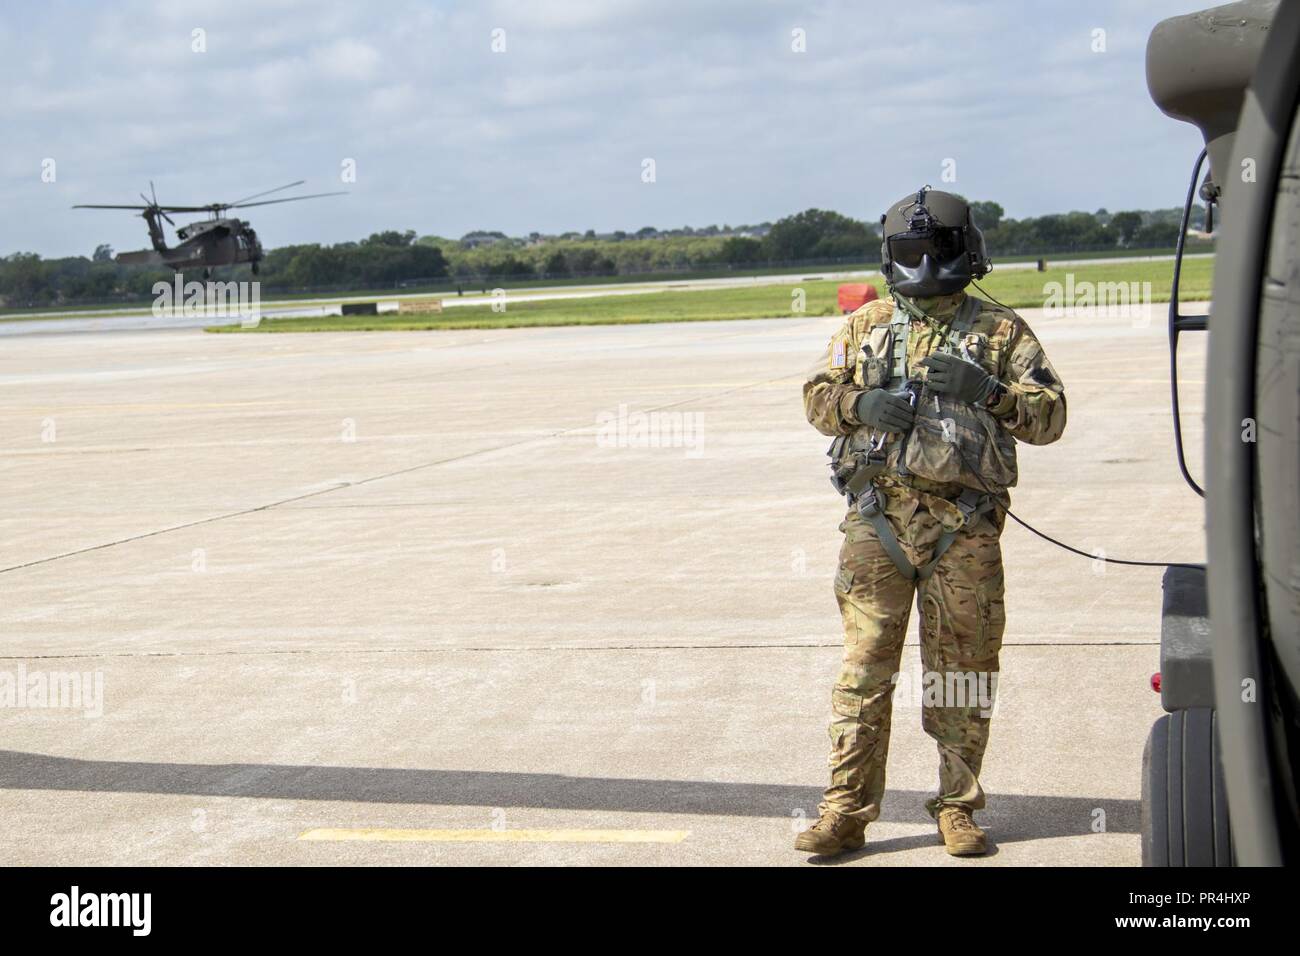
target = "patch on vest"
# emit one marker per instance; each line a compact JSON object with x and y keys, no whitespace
{"x":1042,"y":376}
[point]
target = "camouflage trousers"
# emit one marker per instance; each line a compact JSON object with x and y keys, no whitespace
{"x":961,"y":623}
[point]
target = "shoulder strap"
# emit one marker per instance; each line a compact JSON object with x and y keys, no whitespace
{"x":899,"y":326}
{"x":966,"y":315}
{"x":962,"y":322}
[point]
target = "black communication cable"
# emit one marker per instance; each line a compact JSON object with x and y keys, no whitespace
{"x":1047,"y":537}
{"x":997,"y":501}
{"x":988,"y":295}
{"x":1095,"y":557}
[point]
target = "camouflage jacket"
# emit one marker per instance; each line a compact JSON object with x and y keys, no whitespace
{"x":1032,"y":410}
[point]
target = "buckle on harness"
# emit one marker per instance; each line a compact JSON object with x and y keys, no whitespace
{"x":868,"y":504}
{"x":972,"y":504}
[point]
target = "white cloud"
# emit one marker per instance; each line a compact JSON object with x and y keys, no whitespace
{"x":347,"y":58}
{"x":449,"y":136}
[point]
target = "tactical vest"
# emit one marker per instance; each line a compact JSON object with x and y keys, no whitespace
{"x":948,"y":439}
{"x":950,"y":442}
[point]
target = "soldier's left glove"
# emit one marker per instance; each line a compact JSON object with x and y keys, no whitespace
{"x":957,"y":378}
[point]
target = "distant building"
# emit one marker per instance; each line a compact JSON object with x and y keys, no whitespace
{"x":472,"y":240}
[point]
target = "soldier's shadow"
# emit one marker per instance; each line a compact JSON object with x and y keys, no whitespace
{"x":1009,"y":818}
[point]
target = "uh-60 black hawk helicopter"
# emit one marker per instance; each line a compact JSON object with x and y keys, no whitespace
{"x":208,"y":243}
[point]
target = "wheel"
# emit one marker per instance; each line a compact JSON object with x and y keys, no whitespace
{"x":1184,"y":803}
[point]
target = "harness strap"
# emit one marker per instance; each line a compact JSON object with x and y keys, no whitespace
{"x":966,"y":315}
{"x":899,"y":325}
{"x":961,"y":324}
{"x":869,"y":508}
{"x":970,"y":503}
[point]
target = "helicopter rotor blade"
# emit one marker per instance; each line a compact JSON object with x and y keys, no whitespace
{"x":267,"y":193}
{"x":271,"y":202}
{"x":210,"y":207}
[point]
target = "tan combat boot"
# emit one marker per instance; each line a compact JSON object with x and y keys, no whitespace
{"x":961,"y":837}
{"x":831,"y":835}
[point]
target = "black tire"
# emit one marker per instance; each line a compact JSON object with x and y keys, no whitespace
{"x":1184,"y":803}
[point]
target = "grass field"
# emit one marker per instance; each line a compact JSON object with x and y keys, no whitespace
{"x":1018,"y":289}
{"x":473,"y":286}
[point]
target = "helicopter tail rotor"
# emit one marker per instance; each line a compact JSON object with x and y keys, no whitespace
{"x":153,"y":204}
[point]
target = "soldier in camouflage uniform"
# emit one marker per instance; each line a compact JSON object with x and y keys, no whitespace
{"x":927,"y":395}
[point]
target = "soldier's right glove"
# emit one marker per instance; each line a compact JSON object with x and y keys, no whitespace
{"x":885,"y":411}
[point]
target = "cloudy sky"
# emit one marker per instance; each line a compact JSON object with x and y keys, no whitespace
{"x":551,"y":133}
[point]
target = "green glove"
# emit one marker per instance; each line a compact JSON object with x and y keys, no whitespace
{"x":957,"y":378}
{"x":885,"y":411}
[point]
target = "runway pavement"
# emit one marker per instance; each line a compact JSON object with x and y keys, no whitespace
{"x":555,"y":595}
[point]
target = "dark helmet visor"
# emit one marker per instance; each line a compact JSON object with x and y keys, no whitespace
{"x":941,"y":245}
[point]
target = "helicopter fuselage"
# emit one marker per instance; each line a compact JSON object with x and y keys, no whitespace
{"x":204,"y":244}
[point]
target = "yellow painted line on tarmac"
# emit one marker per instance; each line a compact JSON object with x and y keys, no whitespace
{"x":395,"y":835}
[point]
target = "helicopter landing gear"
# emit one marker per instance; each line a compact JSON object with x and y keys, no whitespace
{"x":257,"y":267}
{"x":207,"y":274}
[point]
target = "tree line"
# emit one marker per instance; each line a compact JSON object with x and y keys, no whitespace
{"x":390,"y":260}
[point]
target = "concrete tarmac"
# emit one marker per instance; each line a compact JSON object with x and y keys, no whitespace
{"x":550,"y":595}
